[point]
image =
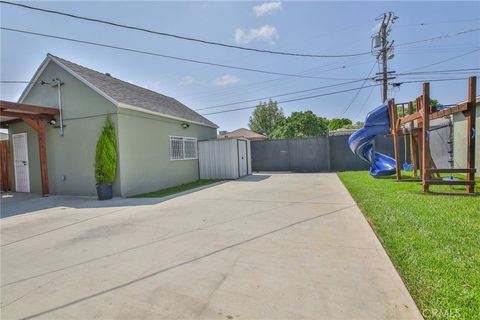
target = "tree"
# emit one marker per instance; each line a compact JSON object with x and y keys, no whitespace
{"x":265,"y":117}
{"x":356,"y":125}
{"x":338,"y":123}
{"x":106,"y":154}
{"x":300,"y":124}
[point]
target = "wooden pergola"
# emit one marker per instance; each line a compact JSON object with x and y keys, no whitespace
{"x":36,"y":117}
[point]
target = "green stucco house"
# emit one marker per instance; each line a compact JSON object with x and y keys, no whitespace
{"x":156,"y":135}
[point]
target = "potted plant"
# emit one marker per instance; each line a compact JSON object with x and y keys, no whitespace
{"x":106,"y":161}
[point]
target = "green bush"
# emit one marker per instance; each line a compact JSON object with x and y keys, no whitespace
{"x":106,"y":154}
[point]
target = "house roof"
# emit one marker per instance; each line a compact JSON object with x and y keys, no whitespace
{"x":245,"y":133}
{"x":127,"y":95}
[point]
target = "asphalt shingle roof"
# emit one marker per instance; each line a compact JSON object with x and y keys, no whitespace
{"x":130,"y":94}
{"x":245,"y":133}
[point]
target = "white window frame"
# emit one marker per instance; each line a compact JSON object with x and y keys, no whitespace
{"x":183,"y":139}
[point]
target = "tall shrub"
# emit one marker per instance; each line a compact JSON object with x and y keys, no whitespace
{"x":106,"y":154}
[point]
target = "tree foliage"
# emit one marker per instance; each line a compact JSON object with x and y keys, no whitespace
{"x":265,"y":117}
{"x":300,"y":124}
{"x":338,"y":123}
{"x":356,"y":125}
{"x":106,"y":154}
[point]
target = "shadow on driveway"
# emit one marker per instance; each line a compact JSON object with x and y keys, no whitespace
{"x":13,"y":203}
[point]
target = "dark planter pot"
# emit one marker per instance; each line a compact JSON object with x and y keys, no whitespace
{"x":104,"y":191}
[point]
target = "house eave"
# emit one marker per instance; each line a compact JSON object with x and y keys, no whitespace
{"x":50,"y":58}
{"x":130,"y":107}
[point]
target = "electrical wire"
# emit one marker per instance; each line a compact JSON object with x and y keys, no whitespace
{"x":331,"y":93}
{"x":365,"y":103}
{"x":435,"y":23}
{"x":265,"y":83}
{"x":358,"y":92}
{"x":98,"y":44}
{"x":443,"y":61}
{"x":441,"y":71}
{"x":293,"y":100}
{"x":176,"y":36}
{"x":446,"y":36}
{"x":428,"y":80}
{"x":280,"y":95}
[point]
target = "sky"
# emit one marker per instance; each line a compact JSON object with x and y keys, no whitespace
{"x":327,"y":28}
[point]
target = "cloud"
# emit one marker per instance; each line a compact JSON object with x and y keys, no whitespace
{"x":265,"y":33}
{"x":188,"y":80}
{"x":226,"y":80}
{"x":267,"y":8}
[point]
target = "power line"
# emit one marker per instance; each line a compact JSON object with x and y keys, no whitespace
{"x":176,"y":36}
{"x":365,"y":103}
{"x":281,"y":95}
{"x":445,"y":60}
{"x":293,"y":100}
{"x":332,"y":93}
{"x":439,"y":37}
{"x":429,"y":80}
{"x":436,"y":22}
{"x":441,"y":71}
{"x":265,"y":83}
{"x":358,"y":92}
{"x":98,"y":44}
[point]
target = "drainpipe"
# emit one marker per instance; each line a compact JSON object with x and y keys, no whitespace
{"x":60,"y":107}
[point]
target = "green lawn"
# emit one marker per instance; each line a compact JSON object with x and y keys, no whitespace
{"x":433,"y":240}
{"x":177,"y":189}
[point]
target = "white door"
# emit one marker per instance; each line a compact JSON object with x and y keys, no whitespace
{"x":20,"y":162}
{"x":242,"y":157}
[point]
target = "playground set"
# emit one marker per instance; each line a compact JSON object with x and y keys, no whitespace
{"x":414,"y":122}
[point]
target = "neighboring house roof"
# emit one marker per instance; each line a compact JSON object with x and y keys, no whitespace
{"x":342,"y":132}
{"x":3,"y":136}
{"x":477,"y":100}
{"x":243,"y":133}
{"x":124,"y":94}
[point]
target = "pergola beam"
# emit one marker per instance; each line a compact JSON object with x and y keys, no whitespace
{"x":27,"y":107}
{"x":25,"y":115}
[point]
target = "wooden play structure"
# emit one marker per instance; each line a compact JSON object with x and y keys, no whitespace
{"x":416,"y":124}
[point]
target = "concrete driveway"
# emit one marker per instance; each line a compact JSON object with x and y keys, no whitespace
{"x":279,"y":246}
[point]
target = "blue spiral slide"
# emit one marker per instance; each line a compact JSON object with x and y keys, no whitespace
{"x":362,"y":142}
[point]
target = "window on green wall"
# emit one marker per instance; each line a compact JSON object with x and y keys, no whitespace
{"x":183,"y":148}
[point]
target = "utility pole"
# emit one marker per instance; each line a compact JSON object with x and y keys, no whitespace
{"x":383,"y":35}
{"x":382,"y":47}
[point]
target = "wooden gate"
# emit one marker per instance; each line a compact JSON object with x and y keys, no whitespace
{"x":4,"y":165}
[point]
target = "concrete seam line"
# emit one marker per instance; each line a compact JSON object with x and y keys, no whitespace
{"x":126,"y":284}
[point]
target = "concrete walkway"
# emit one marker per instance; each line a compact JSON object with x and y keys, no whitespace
{"x":279,"y":246}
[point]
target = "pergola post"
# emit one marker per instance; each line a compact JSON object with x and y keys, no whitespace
{"x":39,"y":127}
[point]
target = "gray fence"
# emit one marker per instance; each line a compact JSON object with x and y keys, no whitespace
{"x":328,"y":154}
{"x":320,"y":154}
